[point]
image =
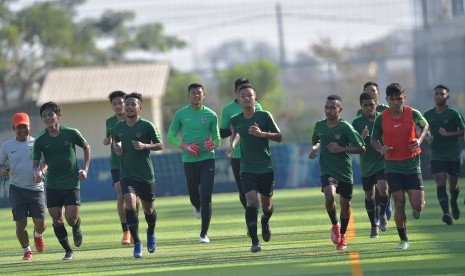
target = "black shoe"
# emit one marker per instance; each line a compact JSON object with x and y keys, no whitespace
{"x":266,"y":230}
{"x":256,"y":248}
{"x":447,"y":218}
{"x":455,"y":209}
{"x":69,"y":255}
{"x":77,"y":236}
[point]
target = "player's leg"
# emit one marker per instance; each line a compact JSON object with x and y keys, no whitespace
{"x":266,"y":189}
{"x":19,"y":210}
{"x":236,"y":168}
{"x":329,"y":190}
{"x":369,"y":188}
{"x":55,"y":203}
{"x":147,"y":197}
{"x":250,"y":187}
{"x":384,"y":199}
{"x":207,"y":179}
{"x":192,"y":176}
{"x":453,"y":171}
{"x":72,"y":212}
{"x":345,"y":195}
{"x":37,"y":212}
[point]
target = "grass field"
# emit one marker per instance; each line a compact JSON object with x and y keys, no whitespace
{"x":300,"y":244}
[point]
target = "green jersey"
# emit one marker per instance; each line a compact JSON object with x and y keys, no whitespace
{"x":255,"y":151}
{"x":230,"y":109}
{"x":136,"y":164}
{"x":60,"y":155}
{"x":372,"y":160}
{"x":337,"y":165}
{"x":114,"y":159}
{"x":195,"y":126}
{"x":379,"y":108}
{"x":445,"y":148}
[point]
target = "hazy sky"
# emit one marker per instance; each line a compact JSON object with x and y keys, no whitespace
{"x":206,"y":24}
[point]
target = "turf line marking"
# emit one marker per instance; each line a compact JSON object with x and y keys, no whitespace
{"x":355,"y":264}
{"x":351,"y":228}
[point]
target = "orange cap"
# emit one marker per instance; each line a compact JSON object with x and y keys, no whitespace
{"x":20,"y":119}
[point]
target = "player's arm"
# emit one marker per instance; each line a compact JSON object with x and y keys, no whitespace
{"x":423,"y":124}
{"x":83,"y":172}
{"x":314,"y":150}
{"x":232,"y":143}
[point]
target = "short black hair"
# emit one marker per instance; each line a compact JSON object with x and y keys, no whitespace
{"x":368,"y":83}
{"x":240,"y":81}
{"x":245,"y":86}
{"x":134,"y":95}
{"x":394,"y":89}
{"x":193,"y":86}
{"x":53,"y":106}
{"x":334,"y":98}
{"x":116,"y":94}
{"x":367,"y":96}
{"x":441,"y":86}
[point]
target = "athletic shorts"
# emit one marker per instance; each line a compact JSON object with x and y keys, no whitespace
{"x":404,"y":182}
{"x":369,"y":181}
{"x":143,"y":190}
{"x":26,"y":203}
{"x":344,"y":189}
{"x":261,"y":182}
{"x":115,"y":176}
{"x":450,"y":167}
{"x":60,"y":198}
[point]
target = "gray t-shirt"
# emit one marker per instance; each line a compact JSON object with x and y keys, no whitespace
{"x":17,"y":157}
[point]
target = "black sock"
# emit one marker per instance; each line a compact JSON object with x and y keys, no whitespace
{"x":332,"y":216}
{"x":124,"y":226}
{"x":251,"y":220}
{"x":267,"y":215}
{"x":402,"y":233}
{"x":62,"y":236}
{"x":133,"y":224}
{"x":383,"y":204}
{"x":344,"y":224}
{"x":151,"y":222}
{"x":77,"y":225}
{"x":454,"y":194}
{"x":370,"y":207}
{"x":443,"y":198}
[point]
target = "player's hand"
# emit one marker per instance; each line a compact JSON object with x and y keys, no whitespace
{"x":333,"y":147}
{"x":39,"y":175}
{"x":255,"y":130}
{"x":192,"y":149}
{"x":414,"y":145}
{"x":118,"y":149}
{"x":429,"y":138}
{"x":365,"y":133}
{"x":82,"y":175}
{"x":443,"y":132}
{"x":107,"y":141}
{"x":313,"y":153}
{"x":139,"y":145}
{"x":6,"y":173}
{"x":209,"y":144}
{"x":230,"y":152}
{"x":386,"y":149}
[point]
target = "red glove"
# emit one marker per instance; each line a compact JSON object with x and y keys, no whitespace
{"x":209,"y":144}
{"x":192,"y":149}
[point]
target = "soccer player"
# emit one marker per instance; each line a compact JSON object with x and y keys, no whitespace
{"x":229,"y":110}
{"x":198,"y":125}
{"x":26,"y":196}
{"x":255,"y":128}
{"x":133,"y":139}
{"x":372,"y":164}
{"x":396,"y":128}
{"x":446,"y":125}
{"x":117,"y":104}
{"x":336,"y":139}
{"x":57,"y":146}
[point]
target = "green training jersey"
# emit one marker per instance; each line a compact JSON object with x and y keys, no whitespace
{"x":136,"y":164}
{"x":408,"y":166}
{"x":195,"y":126}
{"x":255,"y":151}
{"x":114,"y":159}
{"x":445,"y":148}
{"x":371,"y":161}
{"x":337,"y":165}
{"x":230,"y":109}
{"x":379,"y":108}
{"x":60,"y":155}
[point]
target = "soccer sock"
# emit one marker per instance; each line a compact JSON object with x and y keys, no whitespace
{"x":443,"y":198}
{"x":454,"y":194}
{"x":62,"y":236}
{"x":383,"y":204}
{"x":243,"y":199}
{"x":124,"y":226}
{"x":151,"y":222}
{"x":344,"y":224}
{"x":267,"y":214}
{"x":206,"y":217}
{"x":251,"y":220}
{"x":402,"y":233}
{"x":37,"y":234}
{"x":133,"y":224}
{"x":77,"y":225}
{"x":27,"y":249}
{"x":332,"y":216}
{"x":370,"y":207}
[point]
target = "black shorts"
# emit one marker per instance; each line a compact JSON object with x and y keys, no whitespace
{"x":143,"y":190}
{"x":450,"y":167}
{"x":60,"y":198}
{"x":344,"y":189}
{"x":26,"y":203}
{"x":115,"y":176}
{"x":369,"y":181}
{"x":261,"y":182}
{"x":403,"y":182}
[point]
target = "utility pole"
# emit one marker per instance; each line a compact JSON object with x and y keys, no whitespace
{"x":282,"y":50}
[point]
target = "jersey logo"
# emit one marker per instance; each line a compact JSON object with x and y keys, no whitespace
{"x":138,"y":134}
{"x":337,"y":136}
{"x":66,"y":143}
{"x":397,"y":125}
{"x":13,"y":151}
{"x":203,"y":119}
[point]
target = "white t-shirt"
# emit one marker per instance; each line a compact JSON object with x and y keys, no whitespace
{"x":17,"y":157}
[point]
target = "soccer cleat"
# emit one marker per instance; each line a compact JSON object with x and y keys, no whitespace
{"x":137,"y":250}
{"x":374,"y":232}
{"x":77,"y":236}
{"x":204,"y":239}
{"x":403,"y":245}
{"x":69,"y":255}
{"x":342,"y":243}
{"x":256,"y":248}
{"x":266,"y":230}
{"x":27,"y":256}
{"x":389,"y":211}
{"x":455,"y":209}
{"x":383,"y":223}
{"x":197,"y":213}
{"x":126,"y":240}
{"x":336,"y":233}
{"x":416,"y":214}
{"x":39,"y":243}
{"x":151,"y":243}
{"x":447,"y":218}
